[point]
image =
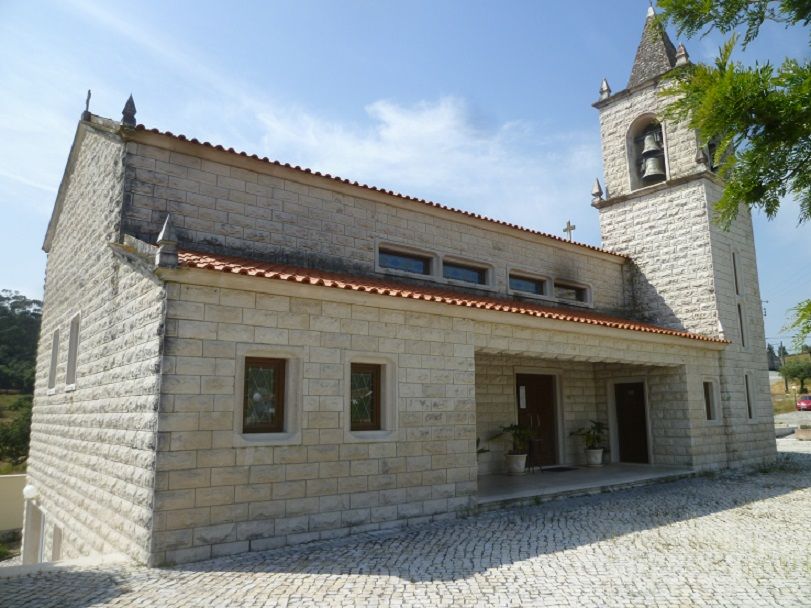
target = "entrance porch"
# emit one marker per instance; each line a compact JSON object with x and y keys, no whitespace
{"x":497,"y":491}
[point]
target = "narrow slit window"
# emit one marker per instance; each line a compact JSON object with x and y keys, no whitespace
{"x":463,"y":272}
{"x":574,"y":293}
{"x":735,"y":273}
{"x":740,"y":323}
{"x":263,"y":395}
{"x":528,"y":285}
{"x":709,"y":401}
{"x":406,"y":262}
{"x":365,"y":397}
{"x":54,"y":360}
{"x":748,"y":397}
{"x":73,"y":351}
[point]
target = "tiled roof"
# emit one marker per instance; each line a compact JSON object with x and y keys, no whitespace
{"x":265,"y":159}
{"x":309,"y":276}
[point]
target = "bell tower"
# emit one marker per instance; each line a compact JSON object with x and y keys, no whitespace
{"x":687,"y":271}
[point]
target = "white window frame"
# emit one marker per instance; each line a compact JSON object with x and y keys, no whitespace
{"x":54,"y":362}
{"x":388,"y":398}
{"x":292,"y":397}
{"x":73,"y":352}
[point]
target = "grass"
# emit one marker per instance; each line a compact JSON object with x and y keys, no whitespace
{"x":783,"y":403}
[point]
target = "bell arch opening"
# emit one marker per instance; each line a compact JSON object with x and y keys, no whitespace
{"x":646,"y":152}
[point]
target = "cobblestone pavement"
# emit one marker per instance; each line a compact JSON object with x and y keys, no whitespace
{"x":725,"y":540}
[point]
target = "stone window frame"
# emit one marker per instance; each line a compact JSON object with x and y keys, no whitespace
{"x":529,"y":276}
{"x":293,"y":398}
{"x":637,"y":126}
{"x":71,"y":367}
{"x":406,"y":250}
{"x":486,"y":267}
{"x":715,"y":400}
{"x":388,"y":398}
{"x":53,"y":364}
{"x":588,"y":302}
{"x":748,"y":397}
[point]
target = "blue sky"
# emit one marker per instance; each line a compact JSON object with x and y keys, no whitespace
{"x":480,"y":105}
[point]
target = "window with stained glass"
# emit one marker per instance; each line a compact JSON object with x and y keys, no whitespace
{"x":365,"y":397}
{"x":263,"y":397}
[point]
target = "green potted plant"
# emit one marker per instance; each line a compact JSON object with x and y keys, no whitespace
{"x":594,"y":438}
{"x":517,"y":456}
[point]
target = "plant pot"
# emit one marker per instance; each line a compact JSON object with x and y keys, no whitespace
{"x":516,"y":464}
{"x":594,"y":457}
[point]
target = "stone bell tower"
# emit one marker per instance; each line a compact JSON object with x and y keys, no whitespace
{"x":688,"y":272}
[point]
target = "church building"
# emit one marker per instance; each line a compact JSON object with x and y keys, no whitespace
{"x":238,"y":354}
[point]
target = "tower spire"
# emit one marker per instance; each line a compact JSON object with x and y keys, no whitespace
{"x":655,"y":54}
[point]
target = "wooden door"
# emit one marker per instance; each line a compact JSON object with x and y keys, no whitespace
{"x":632,"y":423}
{"x":535,"y":394}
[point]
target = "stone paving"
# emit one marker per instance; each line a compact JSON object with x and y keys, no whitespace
{"x":719,"y":540}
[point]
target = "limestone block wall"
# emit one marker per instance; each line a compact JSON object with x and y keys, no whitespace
{"x":219,"y":493}
{"x":617,"y":117}
{"x":92,"y":444}
{"x":750,"y":439}
{"x":496,"y":403}
{"x":238,"y":205}
{"x":668,"y":236}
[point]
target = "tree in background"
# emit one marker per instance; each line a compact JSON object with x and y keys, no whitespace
{"x":755,"y":120}
{"x":771,"y":357}
{"x":19,"y":330}
{"x":15,"y":436}
{"x":797,"y":369}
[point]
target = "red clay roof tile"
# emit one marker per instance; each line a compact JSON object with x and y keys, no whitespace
{"x":309,"y":276}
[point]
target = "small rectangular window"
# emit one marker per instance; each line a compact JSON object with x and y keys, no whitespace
{"x":740,"y":323}
{"x":263,"y":396}
{"x":709,"y":401}
{"x":365,"y":397}
{"x":748,"y":397}
{"x":54,"y":359}
{"x":735,"y":273}
{"x":463,"y":272}
{"x":526,"y":284}
{"x":567,"y":291}
{"x":73,"y":351}
{"x":407,"y":262}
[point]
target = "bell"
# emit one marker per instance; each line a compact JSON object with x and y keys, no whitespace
{"x":653,"y":168}
{"x":651,"y":146}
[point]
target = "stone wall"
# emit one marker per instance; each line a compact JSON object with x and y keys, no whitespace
{"x":231,"y":204}
{"x":684,"y":275}
{"x":92,"y":445}
{"x":219,"y":492}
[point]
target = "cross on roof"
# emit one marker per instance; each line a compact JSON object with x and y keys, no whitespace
{"x":569,"y":229}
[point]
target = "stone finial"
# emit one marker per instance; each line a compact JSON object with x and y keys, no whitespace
{"x":651,"y":10}
{"x":128,"y":113}
{"x":166,"y":255}
{"x":596,"y":191}
{"x":605,"y":89}
{"x":682,"y":58}
{"x":86,"y":113}
{"x":701,"y":156}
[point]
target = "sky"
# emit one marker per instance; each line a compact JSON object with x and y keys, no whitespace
{"x":482,"y":106}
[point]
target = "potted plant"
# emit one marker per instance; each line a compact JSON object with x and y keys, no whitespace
{"x":517,"y":456}
{"x":594,"y":437}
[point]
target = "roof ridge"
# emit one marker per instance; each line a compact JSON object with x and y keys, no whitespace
{"x":270,"y":270}
{"x":471,"y":214}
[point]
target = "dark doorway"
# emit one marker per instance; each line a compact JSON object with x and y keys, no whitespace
{"x":535,"y":394}
{"x":632,"y":424}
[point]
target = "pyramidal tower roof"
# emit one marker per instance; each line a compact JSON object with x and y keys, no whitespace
{"x":656,"y":53}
